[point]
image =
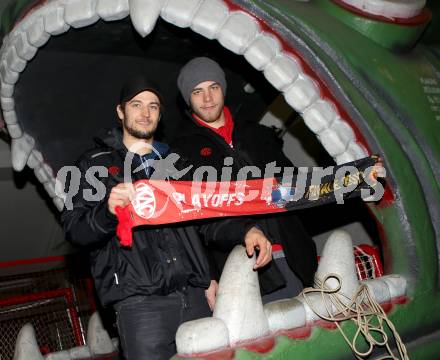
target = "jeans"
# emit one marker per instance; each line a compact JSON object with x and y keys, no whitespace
{"x":147,"y":324}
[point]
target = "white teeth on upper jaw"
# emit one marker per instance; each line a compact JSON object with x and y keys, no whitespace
{"x":20,"y":150}
{"x":111,"y":10}
{"x":80,"y":13}
{"x":209,"y":18}
{"x":262,"y":50}
{"x":144,"y":14}
{"x":239,"y":30}
{"x":282,"y":71}
{"x":180,"y":12}
{"x":302,"y":93}
{"x":26,"y":346}
{"x":54,"y":22}
{"x":235,"y":30}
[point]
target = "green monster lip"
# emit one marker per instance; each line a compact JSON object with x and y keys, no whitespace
{"x":364,"y":84}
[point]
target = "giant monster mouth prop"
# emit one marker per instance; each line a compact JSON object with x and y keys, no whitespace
{"x":352,"y":78}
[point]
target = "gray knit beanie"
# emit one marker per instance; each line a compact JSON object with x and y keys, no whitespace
{"x":196,"y":71}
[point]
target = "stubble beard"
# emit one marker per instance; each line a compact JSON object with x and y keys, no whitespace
{"x":138,"y":134}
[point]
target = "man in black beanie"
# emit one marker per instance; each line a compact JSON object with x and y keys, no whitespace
{"x":211,"y":137}
{"x":161,"y":280}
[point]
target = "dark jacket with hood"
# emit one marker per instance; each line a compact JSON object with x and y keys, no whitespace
{"x":253,"y":145}
{"x":163,"y":258}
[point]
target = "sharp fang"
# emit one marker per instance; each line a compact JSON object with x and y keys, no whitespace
{"x":238,"y":32}
{"x":285,"y":314}
{"x":238,"y":301}
{"x":209,"y":18}
{"x":180,"y":12}
{"x":202,"y":335}
{"x":10,"y":117}
{"x":98,"y":340}
{"x":36,"y":34}
{"x":13,"y":61}
{"x":35,"y":159}
{"x":302,"y":93}
{"x":111,"y":10}
{"x":24,"y":49}
{"x":319,"y":116}
{"x":26,"y":346}
{"x":80,"y":13}
{"x":54,"y":22}
{"x":7,"y":75}
{"x":7,"y":90}
{"x":282,"y":71}
{"x":20,"y":150}
{"x":144,"y":14}
{"x":262,"y":50}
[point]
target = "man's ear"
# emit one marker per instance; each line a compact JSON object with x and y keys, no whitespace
{"x":120,"y":112}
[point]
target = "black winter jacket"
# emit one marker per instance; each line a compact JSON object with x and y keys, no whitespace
{"x":253,"y":144}
{"x":162,"y":259}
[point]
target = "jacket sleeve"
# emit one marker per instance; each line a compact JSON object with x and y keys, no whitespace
{"x":88,"y":222}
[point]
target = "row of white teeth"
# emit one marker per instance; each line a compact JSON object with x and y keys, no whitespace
{"x":235,"y":30}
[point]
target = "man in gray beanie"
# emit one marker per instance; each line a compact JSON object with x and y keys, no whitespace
{"x":212,"y":138}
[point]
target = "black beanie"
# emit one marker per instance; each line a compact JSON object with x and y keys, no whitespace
{"x":196,"y":71}
{"x":135,"y":85}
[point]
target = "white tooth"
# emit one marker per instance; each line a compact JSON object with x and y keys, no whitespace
{"x":111,"y":10}
{"x":54,"y":22}
{"x":397,"y":285}
{"x":180,"y":12}
{"x":43,"y":173}
{"x":282,"y":71}
{"x":344,"y":130}
{"x":315,"y":301}
{"x":36,"y":34}
{"x":98,"y":340}
{"x":80,"y":13}
{"x":238,"y":32}
{"x":7,"y":90}
{"x":202,"y":335}
{"x":144,"y":14}
{"x":262,"y":50}
{"x":285,"y":314}
{"x":59,"y":203}
{"x":26,"y":346}
{"x":25,"y":50}
{"x":35,"y":159}
{"x":345,"y":157}
{"x":79,"y":352}
{"x":378,"y":289}
{"x":238,"y":301}
{"x":209,"y":18}
{"x":49,"y":186}
{"x":14,"y":62}
{"x":357,"y":150}
{"x":10,"y":117}
{"x":20,"y":151}
{"x":8,"y":104}
{"x":59,"y":355}
{"x":332,"y":142}
{"x":302,"y":93}
{"x":8,"y":76}
{"x":389,"y":8}
{"x":14,"y":131}
{"x":319,"y":115}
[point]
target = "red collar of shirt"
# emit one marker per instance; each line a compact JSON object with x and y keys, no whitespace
{"x":224,"y":131}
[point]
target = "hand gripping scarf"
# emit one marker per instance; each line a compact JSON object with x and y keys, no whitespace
{"x":162,"y":202}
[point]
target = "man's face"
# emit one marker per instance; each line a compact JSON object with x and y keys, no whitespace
{"x":140,"y":115}
{"x":207,"y":101}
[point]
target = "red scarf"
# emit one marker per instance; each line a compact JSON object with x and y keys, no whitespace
{"x":224,"y":131}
